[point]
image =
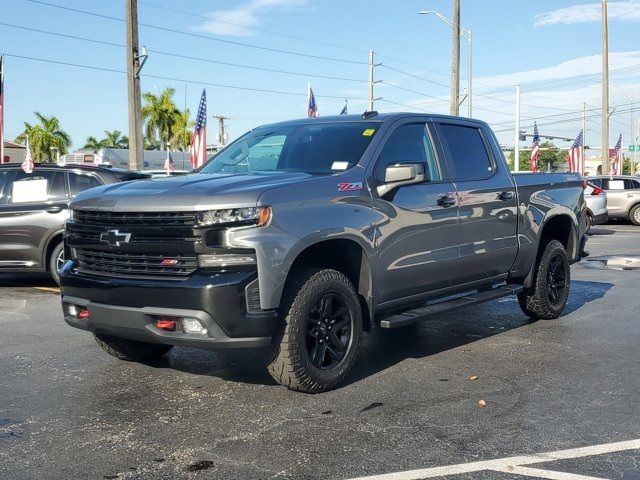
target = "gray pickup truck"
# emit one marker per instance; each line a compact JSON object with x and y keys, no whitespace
{"x":300,"y":236}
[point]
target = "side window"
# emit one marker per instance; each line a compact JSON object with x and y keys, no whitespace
{"x":595,"y":181}
{"x":408,"y":144}
{"x":4,"y":176}
{"x":613,"y":184}
{"x":79,"y":183}
{"x":39,"y":186}
{"x":631,"y":184}
{"x":469,"y":157}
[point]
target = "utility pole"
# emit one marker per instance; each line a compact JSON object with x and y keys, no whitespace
{"x":636,"y":141}
{"x":133,"y":86}
{"x":455,"y":60}
{"x":584,"y":128}
{"x":222,"y":134}
{"x":470,"y":74}
{"x":372,"y":81}
{"x":605,"y":90}
{"x":516,"y":141}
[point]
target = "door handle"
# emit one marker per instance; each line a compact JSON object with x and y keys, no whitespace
{"x":504,"y":196}
{"x":446,"y":201}
{"x":54,"y":209}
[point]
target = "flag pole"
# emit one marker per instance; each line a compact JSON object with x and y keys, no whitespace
{"x":1,"y":109}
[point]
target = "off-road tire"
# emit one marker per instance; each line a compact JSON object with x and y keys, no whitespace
{"x":535,"y":302}
{"x":634,"y":215}
{"x":53,"y":262}
{"x":131,"y":350}
{"x":291,"y":364}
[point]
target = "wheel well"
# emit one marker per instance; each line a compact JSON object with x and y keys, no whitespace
{"x":348,"y":258}
{"x":558,"y":228}
{"x":53,"y":242}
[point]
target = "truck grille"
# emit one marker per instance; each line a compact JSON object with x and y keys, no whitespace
{"x":135,"y":264}
{"x":133,"y":219}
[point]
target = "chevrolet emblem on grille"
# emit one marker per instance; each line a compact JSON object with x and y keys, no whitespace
{"x":115,"y":237}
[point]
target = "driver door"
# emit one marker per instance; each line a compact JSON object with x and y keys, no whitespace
{"x":418,"y":227}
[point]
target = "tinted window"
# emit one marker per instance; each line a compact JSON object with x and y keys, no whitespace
{"x":614,"y":184}
{"x":596,"y":181}
{"x":39,"y":186}
{"x":631,"y":184}
{"x":468,"y":153}
{"x":408,"y":144}
{"x":309,"y":147}
{"x":80,"y":183}
{"x":4,"y":175}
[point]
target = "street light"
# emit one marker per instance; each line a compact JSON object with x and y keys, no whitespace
{"x":466,"y":34}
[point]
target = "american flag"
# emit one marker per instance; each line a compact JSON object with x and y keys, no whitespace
{"x":575,"y":157}
{"x":535,"y":148}
{"x":169,"y":166}
{"x":344,"y":109}
{"x":313,"y":106}
{"x":1,"y":109}
{"x":28,"y":164}
{"x":198,"y":147}
{"x":617,"y":162}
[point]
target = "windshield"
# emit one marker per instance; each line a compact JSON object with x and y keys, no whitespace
{"x":321,"y":148}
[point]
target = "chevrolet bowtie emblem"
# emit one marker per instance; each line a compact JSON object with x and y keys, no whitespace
{"x":115,"y":237}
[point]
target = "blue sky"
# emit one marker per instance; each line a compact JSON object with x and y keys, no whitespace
{"x":550,"y":47}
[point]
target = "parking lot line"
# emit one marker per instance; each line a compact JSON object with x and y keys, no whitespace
{"x":508,"y":464}
{"x":547,"y":474}
{"x":47,"y":289}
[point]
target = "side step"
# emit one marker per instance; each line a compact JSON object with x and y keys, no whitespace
{"x":418,"y":314}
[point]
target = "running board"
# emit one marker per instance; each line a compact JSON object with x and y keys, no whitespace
{"x":421,"y":313}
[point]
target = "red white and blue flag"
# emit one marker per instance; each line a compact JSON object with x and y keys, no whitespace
{"x":169,"y":166}
{"x":575,"y":156}
{"x":198,"y":148}
{"x":312,"y":110}
{"x":1,"y":109}
{"x":617,"y":160}
{"x":535,"y":148}
{"x":28,"y":164}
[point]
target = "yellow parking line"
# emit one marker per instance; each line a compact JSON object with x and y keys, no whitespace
{"x":47,"y":289}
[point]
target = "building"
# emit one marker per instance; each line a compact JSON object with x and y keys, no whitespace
{"x":13,"y":152}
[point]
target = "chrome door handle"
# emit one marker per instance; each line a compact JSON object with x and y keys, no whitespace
{"x":54,"y":209}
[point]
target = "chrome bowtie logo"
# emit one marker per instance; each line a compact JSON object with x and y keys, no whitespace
{"x":115,"y":238}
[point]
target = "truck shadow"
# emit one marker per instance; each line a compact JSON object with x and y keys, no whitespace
{"x":382,"y":349}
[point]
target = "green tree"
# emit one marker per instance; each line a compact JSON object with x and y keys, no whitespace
{"x":115,"y":139}
{"x":551,"y":157}
{"x":183,"y":131}
{"x":45,"y":138}
{"x":160,"y":115}
{"x":93,"y":143}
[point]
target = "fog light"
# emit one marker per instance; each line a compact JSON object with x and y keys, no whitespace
{"x":225,"y":260}
{"x":191,"y":325}
{"x":72,"y":310}
{"x":166,"y":325}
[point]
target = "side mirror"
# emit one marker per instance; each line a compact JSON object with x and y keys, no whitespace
{"x":402,"y":174}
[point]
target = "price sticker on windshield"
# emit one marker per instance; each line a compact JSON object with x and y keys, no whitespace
{"x":369,"y":132}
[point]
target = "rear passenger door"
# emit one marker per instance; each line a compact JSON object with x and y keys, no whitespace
{"x":487,"y":203}
{"x":32,"y":208}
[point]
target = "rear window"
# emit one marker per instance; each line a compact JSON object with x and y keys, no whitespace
{"x":39,"y":186}
{"x":468,"y":152}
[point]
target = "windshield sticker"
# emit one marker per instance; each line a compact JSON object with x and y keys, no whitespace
{"x":339,"y":165}
{"x":350,"y":186}
{"x":368,"y":132}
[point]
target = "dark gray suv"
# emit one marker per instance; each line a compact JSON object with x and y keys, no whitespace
{"x":34,"y":207}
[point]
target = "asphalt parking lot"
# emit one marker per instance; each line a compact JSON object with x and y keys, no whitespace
{"x":560,"y":397}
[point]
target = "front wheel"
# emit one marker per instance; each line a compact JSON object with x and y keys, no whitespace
{"x":550,"y":292}
{"x":634,"y":215}
{"x":319,"y":334}
{"x":130,"y":350}
{"x":56,"y":261}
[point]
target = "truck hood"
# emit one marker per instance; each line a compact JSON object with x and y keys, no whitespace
{"x":189,"y":192}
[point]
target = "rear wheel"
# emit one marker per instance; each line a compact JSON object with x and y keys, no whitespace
{"x":130,"y":350}
{"x":548,"y":296}
{"x":319,"y":333}
{"x":56,"y":261}
{"x":634,"y":215}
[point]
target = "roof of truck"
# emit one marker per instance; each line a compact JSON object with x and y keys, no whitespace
{"x":372,"y":117}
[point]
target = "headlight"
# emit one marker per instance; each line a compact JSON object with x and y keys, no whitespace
{"x":243,"y":216}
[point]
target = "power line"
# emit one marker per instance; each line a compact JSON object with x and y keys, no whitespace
{"x":181,"y":80}
{"x":187,"y":57}
{"x":196,"y":35}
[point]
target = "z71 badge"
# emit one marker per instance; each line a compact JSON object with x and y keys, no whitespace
{"x":350,"y":186}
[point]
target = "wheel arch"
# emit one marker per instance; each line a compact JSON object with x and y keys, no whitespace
{"x":51,"y":243}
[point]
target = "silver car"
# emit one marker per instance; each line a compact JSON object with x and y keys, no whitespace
{"x":596,"y":199}
{"x":623,"y":196}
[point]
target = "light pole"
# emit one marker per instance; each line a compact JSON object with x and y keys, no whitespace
{"x":466,"y":34}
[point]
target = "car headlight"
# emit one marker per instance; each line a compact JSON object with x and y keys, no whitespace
{"x":241,"y":216}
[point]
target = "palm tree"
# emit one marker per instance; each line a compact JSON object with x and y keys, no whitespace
{"x":45,"y":137}
{"x":93,"y":143}
{"x":160,"y":113}
{"x":115,"y":139}
{"x":183,"y":130}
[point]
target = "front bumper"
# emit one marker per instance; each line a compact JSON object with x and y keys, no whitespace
{"x":128,"y":307}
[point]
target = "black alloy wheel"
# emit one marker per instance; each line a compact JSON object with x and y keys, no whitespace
{"x":328,"y":331}
{"x":556,"y":279}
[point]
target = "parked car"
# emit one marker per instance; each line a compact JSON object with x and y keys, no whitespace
{"x":301,"y":235}
{"x":623,"y":196}
{"x":596,"y":199}
{"x":34,"y":207}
